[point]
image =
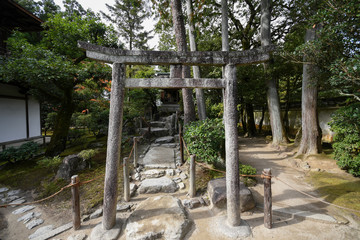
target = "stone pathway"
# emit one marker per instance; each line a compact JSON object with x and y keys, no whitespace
{"x":29,"y":216}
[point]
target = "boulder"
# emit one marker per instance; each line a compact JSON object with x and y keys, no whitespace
{"x":156,"y":185}
{"x":70,"y":166}
{"x":217,"y":195}
{"x":160,"y":217}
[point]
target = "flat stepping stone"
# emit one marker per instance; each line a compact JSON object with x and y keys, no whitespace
{"x":122,"y":207}
{"x":167,"y":139}
{"x":23,"y":209}
{"x":156,"y":185}
{"x":13,"y":192}
{"x":157,"y":124}
{"x":156,"y":132}
{"x":80,"y":236}
{"x":159,"y":157}
{"x":27,"y":217}
{"x":54,"y":232}
{"x":18,"y":201}
{"x":153,"y":173}
{"x":41,"y":231}
{"x":161,"y":217}
{"x":10,"y":198}
{"x":34,"y":223}
{"x":3,"y":189}
{"x":96,"y":214}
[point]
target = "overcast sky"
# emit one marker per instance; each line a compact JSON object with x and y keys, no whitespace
{"x":99,"y":5}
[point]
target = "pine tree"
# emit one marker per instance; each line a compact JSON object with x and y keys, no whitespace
{"x":128,"y":16}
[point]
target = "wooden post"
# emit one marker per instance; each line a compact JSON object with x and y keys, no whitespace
{"x":135,"y":153}
{"x":231,"y":148}
{"x":267,"y":199}
{"x":192,"y":187}
{"x":113,"y":146}
{"x":75,"y":201}
{"x":181,"y":144}
{"x":126,"y":180}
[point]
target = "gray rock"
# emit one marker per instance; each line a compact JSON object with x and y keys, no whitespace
{"x":177,"y":180}
{"x":153,"y":173}
{"x":80,"y":236}
{"x":3,"y":189}
{"x":192,"y":203}
{"x":27,"y":217}
{"x":137,"y":176}
{"x":183,"y":176}
{"x":156,"y":185}
{"x":70,"y":166}
{"x":181,"y":185}
{"x":34,"y":223}
{"x":23,"y":209}
{"x":161,"y":217}
{"x":157,"y":124}
{"x":167,"y":139}
{"x":13,"y":192}
{"x":170,"y":172}
{"x":2,"y":195}
{"x":178,"y":171}
{"x":133,"y":188}
{"x":122,"y":207}
{"x":18,"y":201}
{"x":85,"y":218}
{"x":41,"y":231}
{"x":96,"y":214}
{"x":217,"y":194}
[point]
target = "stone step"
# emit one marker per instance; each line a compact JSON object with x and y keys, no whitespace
{"x":155,"y":132}
{"x":158,"y":185}
{"x":159,"y":157}
{"x":158,"y":124}
{"x":166,"y":139}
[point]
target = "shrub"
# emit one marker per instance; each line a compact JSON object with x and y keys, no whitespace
{"x":48,"y":162}
{"x":88,"y":154}
{"x":346,"y":125}
{"x":206,"y":139}
{"x":24,"y":152}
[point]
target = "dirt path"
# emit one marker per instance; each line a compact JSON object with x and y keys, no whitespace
{"x":260,"y":155}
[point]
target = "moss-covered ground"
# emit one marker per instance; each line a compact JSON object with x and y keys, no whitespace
{"x":339,"y":189}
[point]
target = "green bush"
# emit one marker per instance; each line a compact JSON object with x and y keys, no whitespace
{"x":206,"y":139}
{"x":88,"y":154}
{"x":346,"y":125}
{"x":50,"y":162}
{"x":247,"y":169}
{"x":24,"y":152}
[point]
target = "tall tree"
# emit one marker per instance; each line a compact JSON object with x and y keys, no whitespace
{"x":128,"y":16}
{"x":311,"y":131}
{"x":180,"y":34}
{"x":278,"y":133}
{"x":200,"y":98}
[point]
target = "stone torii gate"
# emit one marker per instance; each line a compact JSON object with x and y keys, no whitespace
{"x":121,"y":58}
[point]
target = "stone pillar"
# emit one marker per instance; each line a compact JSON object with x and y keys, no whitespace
{"x":113,"y":145}
{"x":231,"y":148}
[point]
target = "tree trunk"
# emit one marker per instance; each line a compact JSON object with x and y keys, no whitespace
{"x":263,"y":109}
{"x":311,"y":131}
{"x":278,"y":133}
{"x":178,"y":22}
{"x":287,"y":108}
{"x":250,"y":120}
{"x":200,"y":99}
{"x":62,"y":125}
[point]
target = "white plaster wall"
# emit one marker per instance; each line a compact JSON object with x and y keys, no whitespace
{"x":12,"y":119}
{"x":34,"y":118}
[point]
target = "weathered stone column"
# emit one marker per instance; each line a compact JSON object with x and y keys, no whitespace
{"x":113,"y":145}
{"x":231,"y":148}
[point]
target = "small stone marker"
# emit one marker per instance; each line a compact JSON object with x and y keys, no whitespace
{"x":41,"y":231}
{"x":23,"y":209}
{"x":34,"y":223}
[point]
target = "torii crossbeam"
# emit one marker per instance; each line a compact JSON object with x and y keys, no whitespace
{"x":121,"y":58}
